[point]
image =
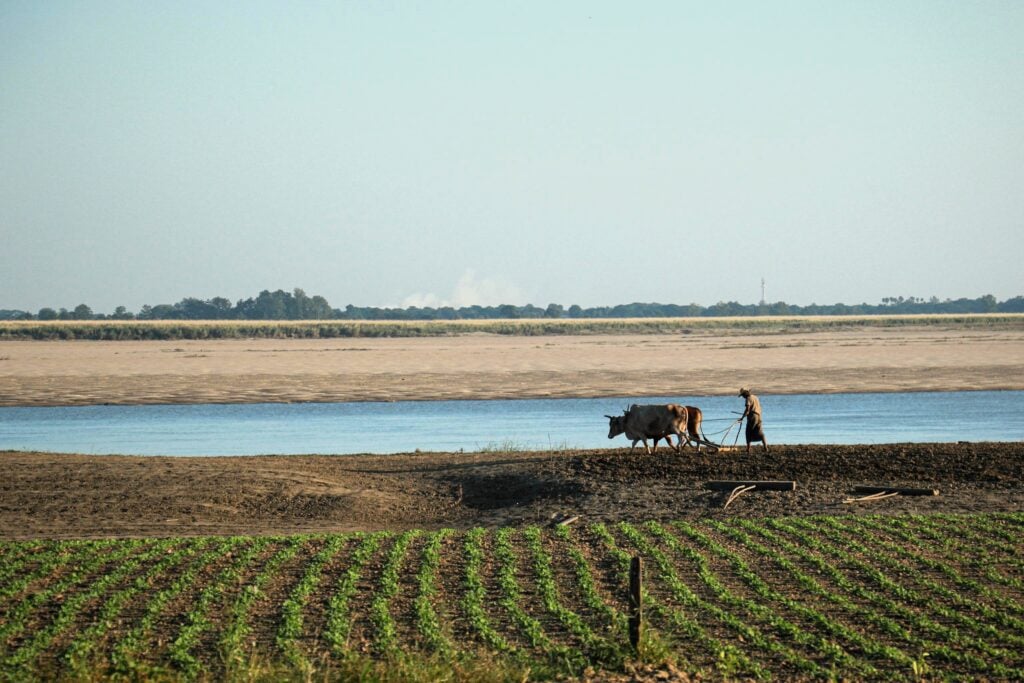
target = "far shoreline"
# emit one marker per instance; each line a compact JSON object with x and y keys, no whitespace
{"x":514,"y":398}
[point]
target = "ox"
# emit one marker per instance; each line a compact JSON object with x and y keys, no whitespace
{"x":694,"y":417}
{"x":642,"y":422}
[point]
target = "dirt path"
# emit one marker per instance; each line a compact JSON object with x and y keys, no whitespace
{"x":65,"y":496}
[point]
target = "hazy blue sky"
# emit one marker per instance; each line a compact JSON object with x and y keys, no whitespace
{"x":396,"y":153}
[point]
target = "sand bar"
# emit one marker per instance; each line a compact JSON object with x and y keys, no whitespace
{"x":488,"y":366}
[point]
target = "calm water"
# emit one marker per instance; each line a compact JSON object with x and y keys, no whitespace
{"x":271,"y":428}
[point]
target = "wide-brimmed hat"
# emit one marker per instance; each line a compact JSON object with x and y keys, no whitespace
{"x":744,"y":392}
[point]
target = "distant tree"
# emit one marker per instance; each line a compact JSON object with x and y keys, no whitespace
{"x":267,"y":306}
{"x":164,"y":312}
{"x":731,"y":308}
{"x":221,"y":308}
{"x":319,"y":309}
{"x":194,"y":309}
{"x":507,"y":311}
{"x":1014,"y":305}
{"x":447,"y":313}
{"x":554,"y":311}
{"x":296,"y":305}
{"x":15,"y":314}
{"x":121,"y":313}
{"x":81,"y":312}
{"x":47,"y":314}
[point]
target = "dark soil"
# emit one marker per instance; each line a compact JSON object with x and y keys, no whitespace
{"x":45,"y":495}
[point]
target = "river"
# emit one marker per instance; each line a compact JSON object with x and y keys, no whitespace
{"x":529,"y":424}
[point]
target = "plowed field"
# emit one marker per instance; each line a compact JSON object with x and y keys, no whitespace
{"x":69,"y":496}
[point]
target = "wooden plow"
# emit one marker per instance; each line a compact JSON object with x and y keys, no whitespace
{"x":711,"y":446}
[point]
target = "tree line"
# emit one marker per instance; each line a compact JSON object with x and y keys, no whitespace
{"x":297,"y":305}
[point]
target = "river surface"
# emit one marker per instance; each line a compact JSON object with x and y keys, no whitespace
{"x":529,"y":424}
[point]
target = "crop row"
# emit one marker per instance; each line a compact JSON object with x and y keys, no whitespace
{"x":818,"y":598}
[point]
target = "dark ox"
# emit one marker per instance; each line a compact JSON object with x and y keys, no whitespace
{"x":642,"y":422}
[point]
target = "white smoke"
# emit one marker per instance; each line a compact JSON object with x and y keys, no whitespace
{"x":470,"y":290}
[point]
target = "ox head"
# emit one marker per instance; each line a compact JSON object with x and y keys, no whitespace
{"x":616,"y":424}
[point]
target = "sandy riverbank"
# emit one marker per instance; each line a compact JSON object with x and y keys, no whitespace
{"x":482,"y":366}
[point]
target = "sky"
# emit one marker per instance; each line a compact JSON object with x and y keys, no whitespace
{"x":455,"y":153}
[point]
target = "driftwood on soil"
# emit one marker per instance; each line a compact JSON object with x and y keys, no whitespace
{"x":561,"y":519}
{"x":767,"y":485}
{"x":736,"y":493}
{"x":872,"y":497}
{"x":902,"y":490}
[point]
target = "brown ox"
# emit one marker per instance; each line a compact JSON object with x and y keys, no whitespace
{"x":642,"y":422}
{"x":693,"y":433}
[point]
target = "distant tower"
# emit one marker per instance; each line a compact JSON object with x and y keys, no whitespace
{"x":762,"y":292}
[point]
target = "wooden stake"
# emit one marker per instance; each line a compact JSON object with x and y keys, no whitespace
{"x":635,"y":602}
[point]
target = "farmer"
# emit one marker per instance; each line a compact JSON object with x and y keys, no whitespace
{"x":752,"y":411}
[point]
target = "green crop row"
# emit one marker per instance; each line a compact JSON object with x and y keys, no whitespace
{"x":289,"y":632}
{"x":820,"y":598}
{"x":197,"y":620}
{"x":427,"y":620}
{"x":233,"y":638}
{"x":386,"y":634}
